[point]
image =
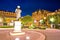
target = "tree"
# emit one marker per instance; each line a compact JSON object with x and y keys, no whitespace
{"x":52,"y":19}
{"x":26,"y":20}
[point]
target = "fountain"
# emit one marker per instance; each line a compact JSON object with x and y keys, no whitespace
{"x":17,"y":24}
{"x":17,"y":33}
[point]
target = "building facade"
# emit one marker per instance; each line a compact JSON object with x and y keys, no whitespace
{"x":43,"y":14}
{"x":7,"y":17}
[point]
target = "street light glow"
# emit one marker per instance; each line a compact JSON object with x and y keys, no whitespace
{"x":52,"y":19}
{"x":35,"y":21}
{"x":41,"y":20}
{"x":17,"y":39}
{"x":0,"y":19}
{"x":27,"y":37}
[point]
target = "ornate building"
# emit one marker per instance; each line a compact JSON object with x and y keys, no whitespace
{"x":39,"y":15}
{"x":43,"y":14}
{"x":7,"y":16}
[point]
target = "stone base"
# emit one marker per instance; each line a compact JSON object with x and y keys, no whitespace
{"x":17,"y":33}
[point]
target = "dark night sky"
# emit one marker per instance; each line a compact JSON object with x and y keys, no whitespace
{"x":29,"y":6}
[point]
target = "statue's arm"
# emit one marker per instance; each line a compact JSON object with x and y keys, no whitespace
{"x":15,"y":10}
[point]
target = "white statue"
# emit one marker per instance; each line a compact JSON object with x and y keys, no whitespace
{"x":18,"y":12}
{"x":17,"y":24}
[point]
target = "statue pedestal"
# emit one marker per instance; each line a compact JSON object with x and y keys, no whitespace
{"x":17,"y":29}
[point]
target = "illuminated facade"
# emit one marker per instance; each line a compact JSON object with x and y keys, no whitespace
{"x":39,"y":15}
{"x":7,"y":16}
{"x":43,"y":14}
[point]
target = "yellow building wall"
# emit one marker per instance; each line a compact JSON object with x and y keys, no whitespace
{"x":9,"y":19}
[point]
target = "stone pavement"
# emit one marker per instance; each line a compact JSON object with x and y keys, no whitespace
{"x":49,"y":34}
{"x":33,"y":35}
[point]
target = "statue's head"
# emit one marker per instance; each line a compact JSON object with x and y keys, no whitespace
{"x":18,"y":6}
